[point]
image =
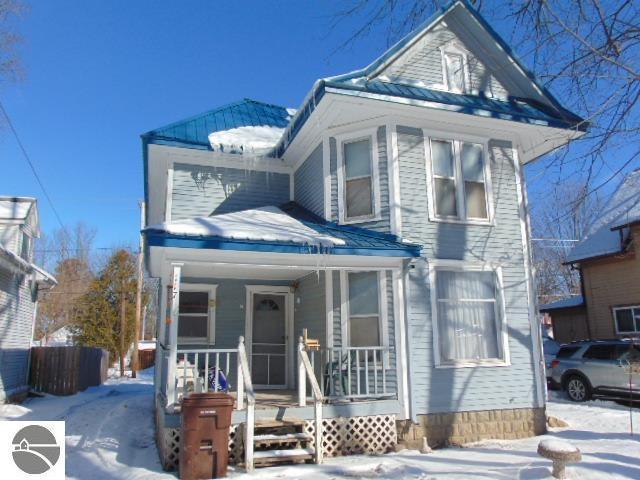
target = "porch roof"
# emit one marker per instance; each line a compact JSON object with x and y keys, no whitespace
{"x":351,"y":240}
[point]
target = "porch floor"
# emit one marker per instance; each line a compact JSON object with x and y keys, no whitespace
{"x":268,"y":399}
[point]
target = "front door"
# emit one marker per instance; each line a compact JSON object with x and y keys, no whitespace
{"x":269,"y":340}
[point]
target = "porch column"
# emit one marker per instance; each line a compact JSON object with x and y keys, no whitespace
{"x":173,"y":332}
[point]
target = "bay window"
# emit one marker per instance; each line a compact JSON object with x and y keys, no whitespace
{"x":468,"y":316}
{"x":459,"y":181}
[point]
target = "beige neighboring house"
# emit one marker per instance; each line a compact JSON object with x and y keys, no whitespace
{"x":609,"y":263}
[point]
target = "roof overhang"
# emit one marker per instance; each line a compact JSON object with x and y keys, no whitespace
{"x":249,"y":264}
{"x":340,"y":108}
{"x":159,"y":239}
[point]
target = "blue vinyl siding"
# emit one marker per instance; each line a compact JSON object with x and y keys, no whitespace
{"x":423,"y":62}
{"x":475,"y":388}
{"x":309,"y":183}
{"x":16,"y":320}
{"x":226,"y":190}
{"x":384,"y":223}
{"x":310,"y":307}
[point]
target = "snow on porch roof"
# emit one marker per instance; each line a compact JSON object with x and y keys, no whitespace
{"x":287,"y":229}
{"x":194,"y":132}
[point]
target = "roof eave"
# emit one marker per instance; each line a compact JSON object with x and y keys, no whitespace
{"x":163,"y":239}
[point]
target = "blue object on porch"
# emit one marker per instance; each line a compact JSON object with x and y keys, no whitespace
{"x":357,"y":241}
{"x":221,"y":385}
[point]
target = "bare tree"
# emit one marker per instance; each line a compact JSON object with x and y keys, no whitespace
{"x":68,"y":253}
{"x":554,"y":239}
{"x":10,"y":67}
{"x":587,"y":51}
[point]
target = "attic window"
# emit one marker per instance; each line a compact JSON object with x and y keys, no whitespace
{"x":454,"y":70}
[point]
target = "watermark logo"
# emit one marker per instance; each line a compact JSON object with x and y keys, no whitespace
{"x":33,"y":450}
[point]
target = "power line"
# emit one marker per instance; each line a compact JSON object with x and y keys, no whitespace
{"x":33,"y":168}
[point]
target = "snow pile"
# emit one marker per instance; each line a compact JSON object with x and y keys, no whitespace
{"x":558,"y":446}
{"x":110,"y":435}
{"x":249,"y":139}
{"x":267,"y":224}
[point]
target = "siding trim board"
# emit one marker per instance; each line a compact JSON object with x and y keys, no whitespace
{"x":525,"y":233}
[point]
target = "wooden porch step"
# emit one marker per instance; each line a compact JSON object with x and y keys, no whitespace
{"x":267,"y":458}
{"x":284,"y":438}
{"x":268,"y":423}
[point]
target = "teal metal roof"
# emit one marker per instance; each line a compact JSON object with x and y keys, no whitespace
{"x":194,"y":132}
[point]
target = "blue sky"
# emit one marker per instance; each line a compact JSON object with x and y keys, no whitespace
{"x":100,"y":73}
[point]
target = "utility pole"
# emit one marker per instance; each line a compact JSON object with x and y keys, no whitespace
{"x":123,"y":323}
{"x":134,"y":360}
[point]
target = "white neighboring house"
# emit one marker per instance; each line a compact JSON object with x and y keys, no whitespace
{"x":62,"y":337}
{"x":20,"y":282}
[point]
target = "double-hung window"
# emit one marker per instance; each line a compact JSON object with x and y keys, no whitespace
{"x":364,"y":310}
{"x":459,"y":180}
{"x":359,"y":180}
{"x":468,"y":312}
{"x":455,"y":75}
{"x":627,"y":319}
{"x":196,"y":314}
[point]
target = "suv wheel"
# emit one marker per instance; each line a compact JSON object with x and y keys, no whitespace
{"x":577,"y":389}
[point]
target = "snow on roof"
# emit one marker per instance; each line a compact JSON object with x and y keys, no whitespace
{"x":14,"y":259}
{"x":574,"y":301}
{"x":623,"y":208}
{"x":15,"y":208}
{"x":253,"y":139}
{"x":267,"y":224}
{"x":22,"y":264}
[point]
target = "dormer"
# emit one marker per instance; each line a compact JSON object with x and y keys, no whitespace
{"x":19,"y":225}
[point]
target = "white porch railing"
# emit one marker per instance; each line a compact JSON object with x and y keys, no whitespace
{"x":353,"y":372}
{"x":305,"y":372}
{"x":203,"y":370}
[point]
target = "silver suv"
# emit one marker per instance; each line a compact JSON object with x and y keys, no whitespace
{"x":607,"y":368}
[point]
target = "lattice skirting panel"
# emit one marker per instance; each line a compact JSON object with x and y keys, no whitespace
{"x":357,"y":435}
{"x":169,"y":446}
{"x":341,"y":436}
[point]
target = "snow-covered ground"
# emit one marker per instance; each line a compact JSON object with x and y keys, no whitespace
{"x":110,"y":435}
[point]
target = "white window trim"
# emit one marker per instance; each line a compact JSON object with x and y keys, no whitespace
{"x":211,"y":325}
{"x":372,"y":135}
{"x":454,"y":49}
{"x":383,"y":314}
{"x":615,"y":319}
{"x":428,"y":136}
{"x":458,"y":265}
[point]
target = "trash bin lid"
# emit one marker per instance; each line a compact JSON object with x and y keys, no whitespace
{"x":209,"y":399}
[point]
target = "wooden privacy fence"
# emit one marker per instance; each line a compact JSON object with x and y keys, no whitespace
{"x":67,"y":370}
{"x":146,"y":358}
